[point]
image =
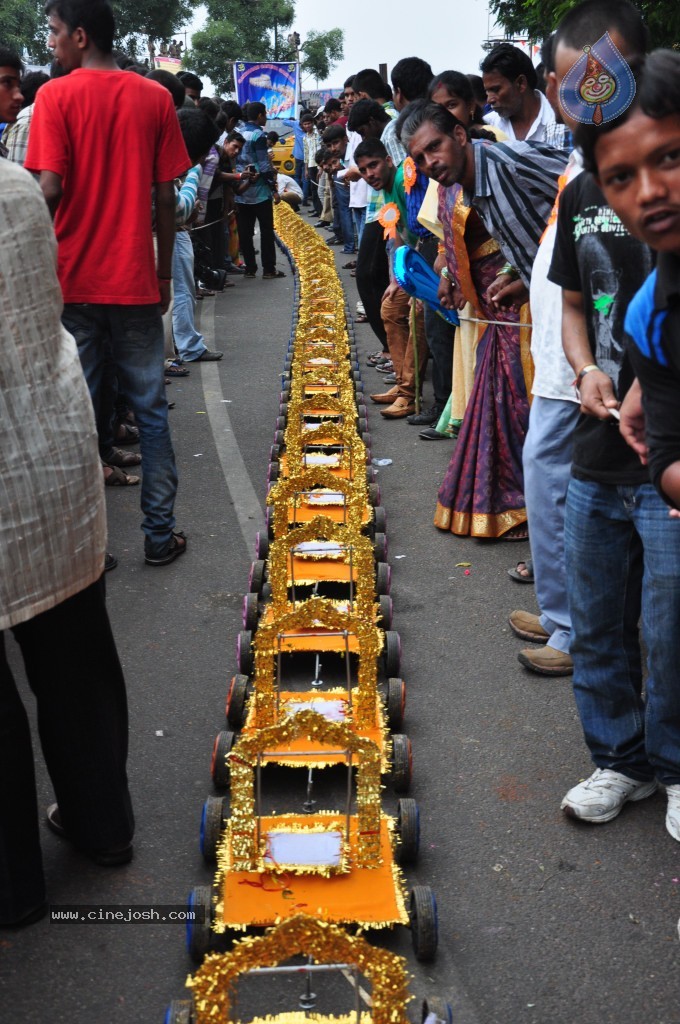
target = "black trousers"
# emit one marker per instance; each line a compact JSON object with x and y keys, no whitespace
{"x":73,"y":670}
{"x":373,"y":276}
{"x":246,"y":216}
{"x":439,"y":335}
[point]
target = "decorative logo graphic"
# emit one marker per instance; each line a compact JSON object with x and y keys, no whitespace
{"x":600,"y":85}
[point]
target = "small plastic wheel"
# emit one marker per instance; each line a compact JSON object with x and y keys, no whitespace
{"x":256,"y":576}
{"x":392,"y":653}
{"x":285,"y":389}
{"x":283,"y":409}
{"x":359,"y":387}
{"x":275,"y":452}
{"x":261,"y":545}
{"x":212,"y":824}
{"x":385,"y":606}
{"x":250,"y":611}
{"x":199,"y":919}
{"x":383,"y":578}
{"x":380,"y":547}
{"x":408,"y":832}
{"x":281,"y":423}
{"x":379,"y":519}
{"x":279,"y":436}
{"x":362,"y":411}
{"x":219,"y":766}
{"x":273,"y":472}
{"x":402,"y":764}
{"x":422,"y":914}
{"x":362,"y":424}
{"x":180,"y":1011}
{"x":266,"y":591}
{"x":370,"y":474}
{"x":374,"y":494}
{"x":395,"y":700}
{"x":235,"y":709}
{"x":244,"y":653}
{"x":437,"y":1008}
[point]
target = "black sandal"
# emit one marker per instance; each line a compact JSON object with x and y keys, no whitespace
{"x":177,"y":547}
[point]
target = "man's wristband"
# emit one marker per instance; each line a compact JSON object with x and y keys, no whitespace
{"x":582,"y":372}
{"x":444,"y":272}
{"x":509,"y":271}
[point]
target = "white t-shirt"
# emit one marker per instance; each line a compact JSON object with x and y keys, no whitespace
{"x":286,"y":184}
{"x":545,"y":116}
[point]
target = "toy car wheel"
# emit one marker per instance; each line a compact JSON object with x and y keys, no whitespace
{"x":408,"y":832}
{"x":236,"y":701}
{"x":281,"y":423}
{"x":437,"y":1008}
{"x":273,"y":472}
{"x":383,"y":578}
{"x":362,"y":411}
{"x":402,"y":763}
{"x":212,"y":823}
{"x":199,"y":932}
{"x":261,"y":545}
{"x":422,"y":914}
{"x":219,"y":766}
{"x":274,"y":452}
{"x":266,"y":591}
{"x":180,"y":1011}
{"x":370,"y":474}
{"x":385,"y":605}
{"x":392,"y":653}
{"x":279,"y":436}
{"x":396,"y":703}
{"x":244,"y":652}
{"x":256,"y":576}
{"x":379,"y":519}
{"x":285,"y":387}
{"x":283,"y":409}
{"x":250,"y":611}
{"x":362,"y":424}
{"x":269,"y":522}
{"x":380,"y":547}
{"x":374,"y":494}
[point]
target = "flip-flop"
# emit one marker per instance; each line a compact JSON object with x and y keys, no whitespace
{"x":117,"y":478}
{"x":176,"y":370}
{"x":130,"y":434}
{"x":123,"y":459}
{"x":518,"y":577}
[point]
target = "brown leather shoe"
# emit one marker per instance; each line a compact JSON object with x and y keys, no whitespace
{"x":385,"y":397}
{"x":546,"y":661}
{"x":400,"y":407}
{"x":527,"y":626}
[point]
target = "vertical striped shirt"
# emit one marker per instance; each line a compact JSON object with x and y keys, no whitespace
{"x":515,"y":188}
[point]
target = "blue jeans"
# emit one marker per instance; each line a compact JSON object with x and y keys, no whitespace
{"x":188,"y":341}
{"x":359,"y":218}
{"x":133,"y":337}
{"x":547,"y":457}
{"x":341,"y":193}
{"x":623,"y":556}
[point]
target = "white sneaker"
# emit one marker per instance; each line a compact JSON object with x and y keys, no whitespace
{"x":673,"y":811}
{"x":601,"y":797}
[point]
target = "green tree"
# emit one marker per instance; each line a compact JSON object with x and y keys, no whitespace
{"x":256,"y":30}
{"x":538,"y":18}
{"x":24,"y":28}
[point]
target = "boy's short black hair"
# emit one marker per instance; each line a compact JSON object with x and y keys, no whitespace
{"x":332,"y":104}
{"x":273,"y":138}
{"x":349,"y":82}
{"x":30,"y":84}
{"x":657,"y":95}
{"x":171,"y":83}
{"x":95,"y":17}
{"x":10,"y":59}
{"x":198,"y":131}
{"x":365,"y":110}
{"x":420,"y":111}
{"x":510,"y":62}
{"x":211,"y":108}
{"x":232,"y":109}
{"x":585,"y":24}
{"x":412,"y":76}
{"x":305,"y":116}
{"x":253,"y":110}
{"x":372,"y":83}
{"x":190,"y":81}
{"x":370,"y":147}
{"x":235,"y":136}
{"x":332,"y":133}
{"x":322,"y":154}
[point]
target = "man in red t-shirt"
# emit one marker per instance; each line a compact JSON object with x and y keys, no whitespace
{"x":101,"y":140}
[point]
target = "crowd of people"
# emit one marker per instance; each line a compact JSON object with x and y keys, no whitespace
{"x":557,"y":243}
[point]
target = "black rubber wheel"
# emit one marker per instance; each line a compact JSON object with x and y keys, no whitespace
{"x":370,"y":474}
{"x":261,"y":547}
{"x":266,"y":591}
{"x":395,"y":700}
{"x":285,"y":390}
{"x":407,"y":832}
{"x":199,"y":932}
{"x":283,"y":409}
{"x":256,"y":577}
{"x":439,"y":1008}
{"x":422,"y":914}
{"x":180,"y":1011}
{"x":279,"y":437}
{"x":380,"y":547}
{"x":274,"y":452}
{"x":212,"y":824}
{"x":362,"y":411}
{"x":219,"y":766}
{"x":251,"y":611}
{"x":386,"y":611}
{"x":402,"y":763}
{"x":379,"y":519}
{"x":383,"y":578}
{"x":374,"y":494}
{"x":273,"y":472}
{"x":362,"y":425}
{"x":236,"y":701}
{"x":392,"y":653}
{"x":281,"y":423}
{"x":244,"y":653}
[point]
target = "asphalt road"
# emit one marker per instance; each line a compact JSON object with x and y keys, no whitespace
{"x":541,"y":920}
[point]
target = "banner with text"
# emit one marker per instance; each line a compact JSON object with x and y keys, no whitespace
{"x":275,"y":85}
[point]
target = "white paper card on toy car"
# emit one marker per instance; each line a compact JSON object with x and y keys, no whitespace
{"x":304,"y":849}
{"x":319,"y":459}
{"x":312,"y":426}
{"x":317,"y":548}
{"x":331,"y":710}
{"x":326,"y":498}
{"x":320,"y":361}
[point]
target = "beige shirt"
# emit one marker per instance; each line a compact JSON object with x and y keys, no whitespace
{"x":52,"y":511}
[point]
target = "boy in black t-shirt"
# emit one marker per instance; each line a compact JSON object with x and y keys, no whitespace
{"x":623,"y":550}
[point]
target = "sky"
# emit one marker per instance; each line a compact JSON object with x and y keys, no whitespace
{"x":447,"y":33}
